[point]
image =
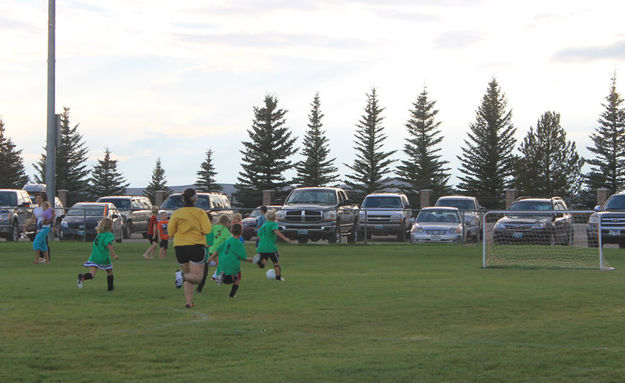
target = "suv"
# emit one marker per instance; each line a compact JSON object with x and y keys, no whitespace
{"x":469,"y":209}
{"x":214,"y":203}
{"x":135,"y":211}
{"x":318,"y":212}
{"x":15,"y":210}
{"x":384,"y":214}
{"x":540,"y":220}
{"x":612,"y":222}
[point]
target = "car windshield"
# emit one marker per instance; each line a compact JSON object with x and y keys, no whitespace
{"x":121,"y":204}
{"x":174,"y":202}
{"x":438,"y":216}
{"x":8,"y":199}
{"x":382,"y":202}
{"x":615,"y":203}
{"x":255,"y":213}
{"x":86,"y":210}
{"x":321,"y":197}
{"x":461,"y":204}
{"x":538,"y":206}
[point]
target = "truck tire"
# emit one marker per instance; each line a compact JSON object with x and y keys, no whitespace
{"x":401,"y":236}
{"x":127,"y":232}
{"x":14,"y":235}
{"x":353,"y":236}
{"x":335,"y":237}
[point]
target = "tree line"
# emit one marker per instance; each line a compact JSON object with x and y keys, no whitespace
{"x":545,"y":164}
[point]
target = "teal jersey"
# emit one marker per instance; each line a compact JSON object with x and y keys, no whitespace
{"x":231,"y":256}
{"x":220,"y":235}
{"x":99,"y":249}
{"x":267,"y":237}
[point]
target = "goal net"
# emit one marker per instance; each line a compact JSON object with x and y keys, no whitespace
{"x":566,"y":239}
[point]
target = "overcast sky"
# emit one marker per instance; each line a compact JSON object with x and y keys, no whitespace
{"x":167,"y":79}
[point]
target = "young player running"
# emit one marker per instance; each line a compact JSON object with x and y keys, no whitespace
{"x":101,"y":252}
{"x":267,"y":237}
{"x":231,"y":253}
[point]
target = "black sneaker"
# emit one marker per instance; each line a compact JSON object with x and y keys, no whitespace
{"x":79,"y":282}
{"x":179,"y":279}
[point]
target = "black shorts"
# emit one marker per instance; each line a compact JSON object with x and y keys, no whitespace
{"x":275,"y":257}
{"x":164,"y":243}
{"x":230,"y":279}
{"x":190,"y":254}
{"x":152,"y":238}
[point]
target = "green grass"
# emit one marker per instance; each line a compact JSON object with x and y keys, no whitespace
{"x":395,"y":313}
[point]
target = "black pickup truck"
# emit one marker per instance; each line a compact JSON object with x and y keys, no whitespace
{"x":318,"y":213}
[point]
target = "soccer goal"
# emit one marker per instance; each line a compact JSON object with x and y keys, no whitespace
{"x":555,"y":238}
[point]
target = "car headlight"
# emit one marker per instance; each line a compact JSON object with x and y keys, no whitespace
{"x":416,"y":228}
{"x":455,"y":230}
{"x":329,"y":216}
{"x":281,"y":215}
{"x":397,"y":218}
{"x":64,"y":224}
{"x":538,"y":225}
{"x":500,"y":226}
{"x":593,"y":219}
{"x":5,"y":216}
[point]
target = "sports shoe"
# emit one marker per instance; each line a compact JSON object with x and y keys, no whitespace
{"x":280,"y":279}
{"x":179,"y":279}
{"x":79,"y":282}
{"x":189,"y":305}
{"x":220,"y":278}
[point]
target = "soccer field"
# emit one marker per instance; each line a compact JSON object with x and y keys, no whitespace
{"x":394,"y":313}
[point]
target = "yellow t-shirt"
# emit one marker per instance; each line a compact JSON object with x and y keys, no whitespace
{"x":189,"y":226}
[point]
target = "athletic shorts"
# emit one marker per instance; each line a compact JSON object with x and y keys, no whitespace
{"x":230,"y":279}
{"x":275,"y":257}
{"x":190,"y":254}
{"x":164,"y":243}
{"x":152,"y":238}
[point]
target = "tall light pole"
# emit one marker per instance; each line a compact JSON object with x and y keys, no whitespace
{"x":52,"y":127}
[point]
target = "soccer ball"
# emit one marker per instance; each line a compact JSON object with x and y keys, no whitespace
{"x":271,"y":274}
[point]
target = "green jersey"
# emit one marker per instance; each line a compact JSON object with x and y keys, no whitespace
{"x":99,"y":251}
{"x":231,"y":256}
{"x":267,"y":237}
{"x":210,"y":238}
{"x":220,"y":235}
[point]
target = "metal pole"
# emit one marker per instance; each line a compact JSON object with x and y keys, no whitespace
{"x":51,"y":118}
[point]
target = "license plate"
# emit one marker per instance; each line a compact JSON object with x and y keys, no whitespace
{"x":615,"y":232}
{"x":80,"y":232}
{"x":517,"y":235}
{"x":379,"y":227}
{"x":435,"y":238}
{"x":302,"y":231}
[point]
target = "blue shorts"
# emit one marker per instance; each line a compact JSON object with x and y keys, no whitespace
{"x":40,"y":243}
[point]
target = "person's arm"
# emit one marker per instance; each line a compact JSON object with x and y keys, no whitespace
{"x":282,"y":236}
{"x":171,"y":227}
{"x":112,"y":251}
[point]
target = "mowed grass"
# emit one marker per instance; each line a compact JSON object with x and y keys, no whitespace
{"x":395,"y":313}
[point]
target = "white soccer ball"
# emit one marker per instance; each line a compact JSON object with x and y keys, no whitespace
{"x":271,"y":274}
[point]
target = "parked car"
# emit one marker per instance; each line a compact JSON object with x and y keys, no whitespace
{"x":249,"y":222}
{"x":385,"y":214}
{"x":318,"y":213}
{"x":470,"y":210}
{"x":214,"y":203}
{"x":15,"y":210}
{"x":82,"y":218}
{"x":135,"y":211}
{"x":538,"y":221}
{"x":612,"y":222}
{"x":437,"y":224}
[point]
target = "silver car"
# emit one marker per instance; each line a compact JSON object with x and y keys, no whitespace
{"x":437,"y":224}
{"x":470,"y":210}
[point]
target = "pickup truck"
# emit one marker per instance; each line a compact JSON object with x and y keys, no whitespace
{"x":318,"y":213}
{"x":15,"y":210}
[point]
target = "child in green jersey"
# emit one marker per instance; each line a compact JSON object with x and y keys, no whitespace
{"x":101,"y":253}
{"x":231,"y":253}
{"x":267,"y":236}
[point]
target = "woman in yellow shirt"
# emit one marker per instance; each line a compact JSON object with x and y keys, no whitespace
{"x":189,"y":226}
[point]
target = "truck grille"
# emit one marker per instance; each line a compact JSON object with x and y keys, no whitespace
{"x":613,"y":221}
{"x":435,"y":231}
{"x":373,"y":219}
{"x":518,"y":226}
{"x":303,"y":216}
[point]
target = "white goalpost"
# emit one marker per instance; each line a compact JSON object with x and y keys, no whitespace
{"x":547,"y":239}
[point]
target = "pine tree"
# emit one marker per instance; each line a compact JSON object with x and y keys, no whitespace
{"x":316,"y":169}
{"x":372,"y":165}
{"x":486,"y":161}
{"x":158,"y":182}
{"x":608,"y":164}
{"x":424,"y":168}
{"x":71,"y":162}
{"x":12,"y":172}
{"x":549,"y":164}
{"x":206,"y":175}
{"x":106,"y":179}
{"x":266,"y":155}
